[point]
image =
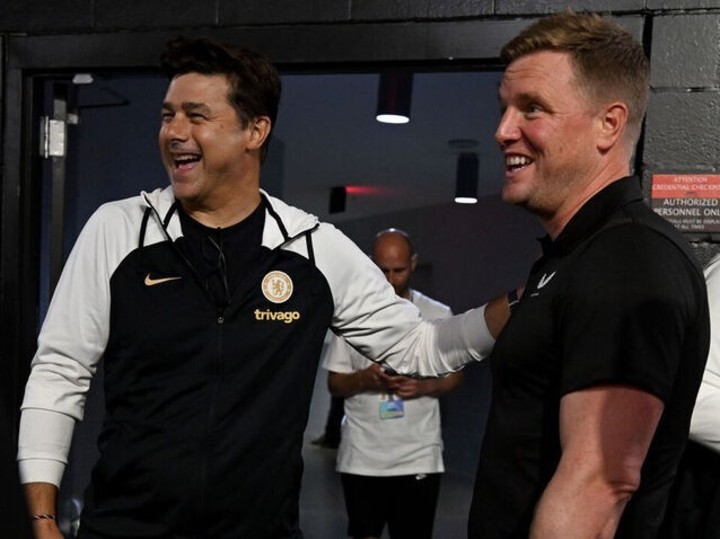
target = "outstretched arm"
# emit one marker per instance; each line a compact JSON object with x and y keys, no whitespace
{"x":497,"y":311}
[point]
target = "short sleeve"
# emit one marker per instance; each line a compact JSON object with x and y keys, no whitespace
{"x":337,"y":355}
{"x":626,"y":312}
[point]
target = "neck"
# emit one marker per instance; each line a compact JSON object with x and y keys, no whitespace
{"x":228,"y":210}
{"x":556,"y":223}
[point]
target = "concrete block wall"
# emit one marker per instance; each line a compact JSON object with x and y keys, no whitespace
{"x":40,"y":16}
{"x":683,"y":120}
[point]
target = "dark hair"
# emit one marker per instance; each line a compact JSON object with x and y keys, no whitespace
{"x":254,"y":82}
{"x":608,"y":61}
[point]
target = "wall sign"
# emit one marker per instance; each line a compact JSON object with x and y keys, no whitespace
{"x":689,"y":201}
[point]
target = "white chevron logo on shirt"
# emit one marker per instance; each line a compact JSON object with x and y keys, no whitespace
{"x":545,"y":279}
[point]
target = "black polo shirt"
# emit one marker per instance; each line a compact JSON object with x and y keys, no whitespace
{"x":617,"y":298}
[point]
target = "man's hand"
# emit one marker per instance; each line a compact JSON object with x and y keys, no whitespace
{"x":406,"y":387}
{"x":411,"y":388}
{"x":498,"y":310}
{"x":374,"y":378}
{"x":46,"y":529}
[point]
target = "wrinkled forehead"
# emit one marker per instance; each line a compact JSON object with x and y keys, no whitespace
{"x":538,"y":72}
{"x":544,"y":65}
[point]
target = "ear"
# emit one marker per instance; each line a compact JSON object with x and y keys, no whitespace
{"x":413,"y":262}
{"x":259,"y":130}
{"x":613,"y":121}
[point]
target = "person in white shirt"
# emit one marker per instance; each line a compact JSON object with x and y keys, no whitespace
{"x":693,"y":508}
{"x":390,"y":454}
{"x":705,"y":423}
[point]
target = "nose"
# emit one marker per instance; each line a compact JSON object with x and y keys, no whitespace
{"x":507,"y":130}
{"x":175,"y":128}
{"x":389,"y":276}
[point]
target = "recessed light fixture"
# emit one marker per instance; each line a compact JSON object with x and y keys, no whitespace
{"x":466,"y":180}
{"x":394,"y":98}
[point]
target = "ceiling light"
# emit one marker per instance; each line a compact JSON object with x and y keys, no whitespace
{"x":466,"y":181}
{"x":337,"y":199}
{"x":394,"y":97}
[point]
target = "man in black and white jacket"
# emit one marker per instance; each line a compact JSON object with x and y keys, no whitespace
{"x":208,"y":302}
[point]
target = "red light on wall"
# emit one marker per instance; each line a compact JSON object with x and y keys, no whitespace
{"x":366,"y":190}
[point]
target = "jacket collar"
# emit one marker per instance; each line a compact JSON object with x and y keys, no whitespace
{"x":282,"y":221}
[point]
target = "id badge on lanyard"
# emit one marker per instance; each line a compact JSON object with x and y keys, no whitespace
{"x":391,"y":407}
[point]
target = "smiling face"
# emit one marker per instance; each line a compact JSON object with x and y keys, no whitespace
{"x":548,"y":134}
{"x":208,"y":154}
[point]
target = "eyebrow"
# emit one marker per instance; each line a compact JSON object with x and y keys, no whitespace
{"x":188,"y":106}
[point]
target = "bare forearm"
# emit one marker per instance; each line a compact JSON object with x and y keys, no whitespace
{"x":42,"y":500}
{"x":497,"y":312}
{"x":436,"y":387}
{"x":566,"y":511}
{"x":346,"y":384}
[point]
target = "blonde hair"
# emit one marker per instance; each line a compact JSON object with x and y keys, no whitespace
{"x":608,"y":62}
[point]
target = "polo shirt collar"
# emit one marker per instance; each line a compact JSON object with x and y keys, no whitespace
{"x":593,"y":214}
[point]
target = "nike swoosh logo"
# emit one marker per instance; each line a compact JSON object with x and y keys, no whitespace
{"x":545,"y":279}
{"x":149,"y":281}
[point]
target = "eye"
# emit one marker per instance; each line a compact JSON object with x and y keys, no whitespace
{"x":166,"y":116}
{"x":533,"y":109}
{"x":196,"y":117}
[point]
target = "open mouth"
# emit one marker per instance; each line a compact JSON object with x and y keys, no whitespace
{"x":516,"y":162}
{"x":185,"y":161}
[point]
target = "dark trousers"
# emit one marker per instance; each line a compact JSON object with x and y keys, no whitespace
{"x":406,"y":503}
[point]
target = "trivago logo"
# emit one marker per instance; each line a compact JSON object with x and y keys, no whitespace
{"x":282,"y":316}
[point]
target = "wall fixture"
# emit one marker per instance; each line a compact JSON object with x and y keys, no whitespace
{"x":466,"y":180}
{"x":337,"y":199}
{"x":394,"y":97}
{"x":83,"y":78}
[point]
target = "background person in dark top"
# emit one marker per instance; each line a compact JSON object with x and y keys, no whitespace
{"x":596,"y":372}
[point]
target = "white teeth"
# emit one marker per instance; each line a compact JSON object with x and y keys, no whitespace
{"x":185,"y":158}
{"x":517,"y":160}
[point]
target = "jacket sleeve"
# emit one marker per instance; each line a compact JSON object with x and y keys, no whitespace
{"x":72,"y":339}
{"x":386,"y":328}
